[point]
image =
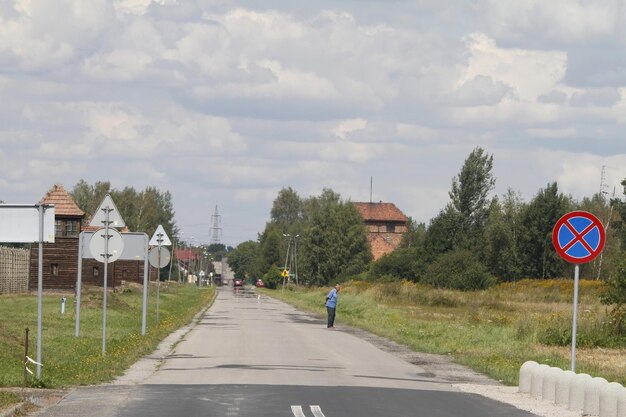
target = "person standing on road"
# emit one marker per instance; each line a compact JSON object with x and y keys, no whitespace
{"x":331,"y":305}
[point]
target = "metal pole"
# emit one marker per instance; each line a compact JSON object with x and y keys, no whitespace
{"x":286,"y":256}
{"x":79,"y":280}
{"x":576,"y":276}
{"x":106,"y":263}
{"x":40,"y":291}
{"x":159,"y":240}
{"x":25,"y":356}
{"x":145,"y":288}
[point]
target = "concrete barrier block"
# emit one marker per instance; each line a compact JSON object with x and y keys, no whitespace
{"x":524,"y":376}
{"x":592,"y":396}
{"x":576,"y":400}
{"x":536,"y":380}
{"x":608,"y":399}
{"x":548,"y":390}
{"x":563,"y":382}
{"x":621,"y":404}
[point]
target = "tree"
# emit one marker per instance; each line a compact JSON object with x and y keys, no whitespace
{"x":470,"y":191}
{"x":244,"y":260}
{"x":88,"y":197}
{"x":499,"y":252}
{"x":287,"y":209}
{"x":334,"y":242}
{"x":270,"y":241}
{"x":538,"y":257}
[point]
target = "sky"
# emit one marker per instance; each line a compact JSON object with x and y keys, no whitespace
{"x":225,"y":102}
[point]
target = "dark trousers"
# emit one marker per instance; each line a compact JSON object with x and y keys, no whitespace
{"x":331,"y":316}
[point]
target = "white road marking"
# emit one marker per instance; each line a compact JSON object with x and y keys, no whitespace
{"x":297,"y":411}
{"x":317,"y":411}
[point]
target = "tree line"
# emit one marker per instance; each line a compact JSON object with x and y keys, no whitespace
{"x":478,"y":239}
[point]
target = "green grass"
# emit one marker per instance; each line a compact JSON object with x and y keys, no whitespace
{"x":7,"y":399}
{"x":492,"y":331}
{"x":68,"y":360}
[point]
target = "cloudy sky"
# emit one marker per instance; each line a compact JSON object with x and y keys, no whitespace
{"x":225,"y":102}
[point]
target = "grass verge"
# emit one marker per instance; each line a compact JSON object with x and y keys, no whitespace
{"x":69,"y":360}
{"x":8,"y":399}
{"x":492,"y":331}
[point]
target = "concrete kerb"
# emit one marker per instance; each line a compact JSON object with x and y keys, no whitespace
{"x":537,"y":376}
{"x":525,"y":374}
{"x":563,"y":383}
{"x":608,"y":399}
{"x":576,"y":400}
{"x":591,"y":406}
{"x":11,"y":411}
{"x":548,"y":392}
{"x":621,"y":404}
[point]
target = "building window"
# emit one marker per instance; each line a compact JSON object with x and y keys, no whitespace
{"x":391,"y":227}
{"x":71,"y":228}
{"x":54,"y":269}
{"x":125,"y":274}
{"x":96,"y":272}
{"x":58,"y":227}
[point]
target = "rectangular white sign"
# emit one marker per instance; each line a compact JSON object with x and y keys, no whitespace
{"x":135,"y":245}
{"x":19,"y":223}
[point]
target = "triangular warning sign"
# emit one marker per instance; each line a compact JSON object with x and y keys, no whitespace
{"x":160,"y":234}
{"x":99,"y":217}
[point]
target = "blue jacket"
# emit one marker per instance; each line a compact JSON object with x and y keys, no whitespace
{"x":332,"y":298}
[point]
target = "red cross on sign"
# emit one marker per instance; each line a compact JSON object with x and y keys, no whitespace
{"x":578,"y":237}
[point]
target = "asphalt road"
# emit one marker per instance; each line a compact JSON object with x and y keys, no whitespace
{"x":255,"y":356}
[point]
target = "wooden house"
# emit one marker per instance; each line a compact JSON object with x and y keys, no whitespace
{"x":385,"y":225}
{"x":60,"y":259}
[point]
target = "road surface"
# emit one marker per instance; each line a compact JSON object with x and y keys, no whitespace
{"x":254,"y":356}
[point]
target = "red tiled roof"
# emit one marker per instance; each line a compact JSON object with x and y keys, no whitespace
{"x":64,"y":205}
{"x":380,"y":212}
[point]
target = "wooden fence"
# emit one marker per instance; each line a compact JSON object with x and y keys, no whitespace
{"x":14,"y":270}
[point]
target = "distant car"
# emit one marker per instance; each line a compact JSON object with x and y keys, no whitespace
{"x":259,"y":283}
{"x":238,"y":282}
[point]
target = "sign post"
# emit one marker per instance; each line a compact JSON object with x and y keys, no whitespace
{"x":22,"y":223}
{"x":159,"y":239}
{"x":578,"y":237}
{"x":105,"y":250}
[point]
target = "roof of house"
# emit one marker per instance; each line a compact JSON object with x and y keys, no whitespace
{"x":64,"y":205}
{"x":380,"y":212}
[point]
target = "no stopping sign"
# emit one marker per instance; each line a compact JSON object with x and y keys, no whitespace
{"x":578,"y":237}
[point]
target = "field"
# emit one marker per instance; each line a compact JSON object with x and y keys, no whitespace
{"x":492,"y":331}
{"x":69,"y":360}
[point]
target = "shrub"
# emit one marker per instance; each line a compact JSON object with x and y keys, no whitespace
{"x":459,"y":269}
{"x":273,"y":277}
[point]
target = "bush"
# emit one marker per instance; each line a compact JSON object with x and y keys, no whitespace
{"x":459,"y":269}
{"x":273,"y":277}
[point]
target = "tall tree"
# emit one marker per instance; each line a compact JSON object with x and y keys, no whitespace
{"x":499,"y":251}
{"x":471,"y":188}
{"x":287,"y":209}
{"x":244,"y":260}
{"x":334,"y":243}
{"x":88,"y":197}
{"x":539,"y":259}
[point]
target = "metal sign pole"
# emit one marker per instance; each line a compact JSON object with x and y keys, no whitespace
{"x":145,"y":291}
{"x":79,"y":281}
{"x":576,"y":277}
{"x":106,"y":263}
{"x":159,"y":240}
{"x":40,"y":291}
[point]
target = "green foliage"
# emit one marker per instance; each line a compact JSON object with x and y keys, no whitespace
{"x":273,"y":277}
{"x":403,"y":263}
{"x":287,"y":209}
{"x":334,"y":244}
{"x":458,"y":269}
{"x":539,"y":259}
{"x":142,"y":211}
{"x":244,"y":260}
{"x":499,"y":252}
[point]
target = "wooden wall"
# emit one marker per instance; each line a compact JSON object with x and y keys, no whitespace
{"x":64,"y":253}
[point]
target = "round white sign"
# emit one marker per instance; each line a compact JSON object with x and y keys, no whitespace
{"x":116,"y":245}
{"x":153,"y":257}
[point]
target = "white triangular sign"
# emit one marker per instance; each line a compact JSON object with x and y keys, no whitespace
{"x":160,"y":234}
{"x":99,"y":217}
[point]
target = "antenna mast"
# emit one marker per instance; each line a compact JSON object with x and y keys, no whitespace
{"x":216,"y":230}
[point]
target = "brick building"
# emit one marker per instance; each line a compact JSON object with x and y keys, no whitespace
{"x":385,"y":225}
